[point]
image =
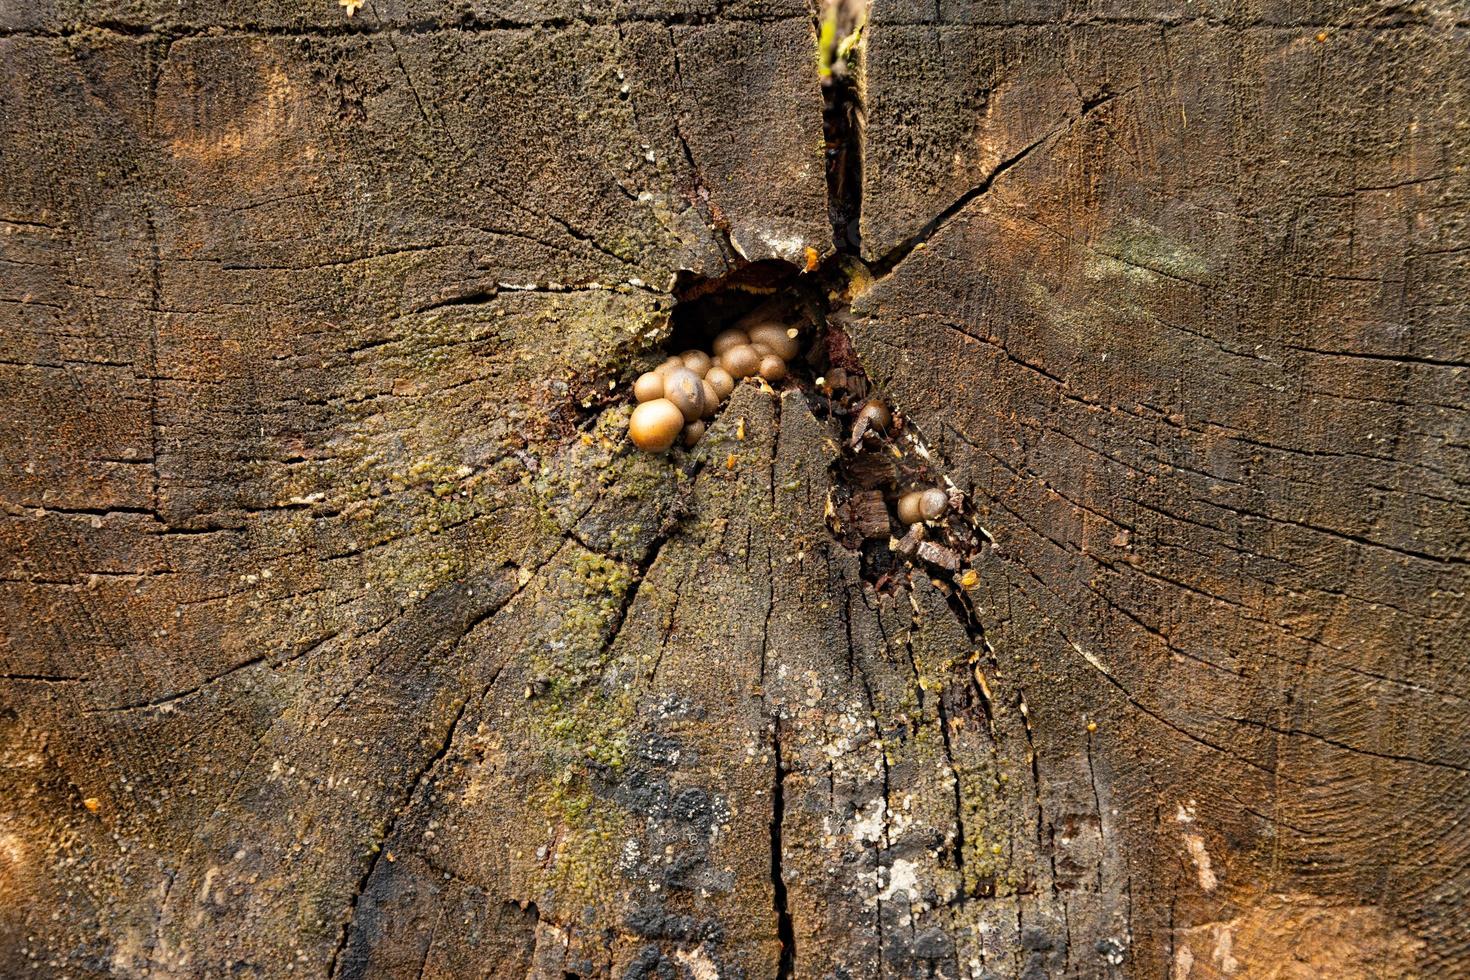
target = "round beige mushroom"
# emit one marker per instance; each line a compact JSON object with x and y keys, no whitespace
{"x":878,"y":414}
{"x":908,"y":508}
{"x":777,"y":337}
{"x":649,"y":386}
{"x":697,"y":361}
{"x":721,"y":381}
{"x":933,"y":503}
{"x":686,"y":390}
{"x":772,"y":368}
{"x":741,"y":361}
{"x":726,"y":339}
{"x":655,"y":425}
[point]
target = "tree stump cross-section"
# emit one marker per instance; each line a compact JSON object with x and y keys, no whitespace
{"x":347,"y":637}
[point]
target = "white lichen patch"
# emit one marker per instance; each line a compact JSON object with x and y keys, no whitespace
{"x":1195,"y":844}
{"x":698,"y":963}
{"x":869,"y":829}
{"x":792,"y":248}
{"x":903,"y":877}
{"x":1183,"y":962}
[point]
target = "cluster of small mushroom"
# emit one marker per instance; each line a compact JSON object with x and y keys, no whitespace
{"x":914,"y":506}
{"x":922,"y":505}
{"x":675,"y":398}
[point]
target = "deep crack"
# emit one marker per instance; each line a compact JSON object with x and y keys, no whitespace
{"x":785,"y":930}
{"x":839,"y":30}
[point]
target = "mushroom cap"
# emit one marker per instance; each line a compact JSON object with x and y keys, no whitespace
{"x":655,"y":425}
{"x":649,"y":386}
{"x":933,"y":503}
{"x":777,"y":337}
{"x":772,"y":368}
{"x":686,"y":390}
{"x":770,"y":311}
{"x":908,"y":508}
{"x":721,"y":381}
{"x":671,"y":364}
{"x":696,"y":360}
{"x":692,"y":433}
{"x":711,"y":398}
{"x":741,"y":361}
{"x":726,"y":339}
{"x":879,"y":416}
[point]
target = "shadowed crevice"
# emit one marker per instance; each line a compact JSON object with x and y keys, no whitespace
{"x":785,"y":930}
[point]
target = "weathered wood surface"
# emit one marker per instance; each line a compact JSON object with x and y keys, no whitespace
{"x":344,"y":638}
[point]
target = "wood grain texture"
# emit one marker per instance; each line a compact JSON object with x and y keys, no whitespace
{"x":345,"y":637}
{"x":1202,"y":303}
